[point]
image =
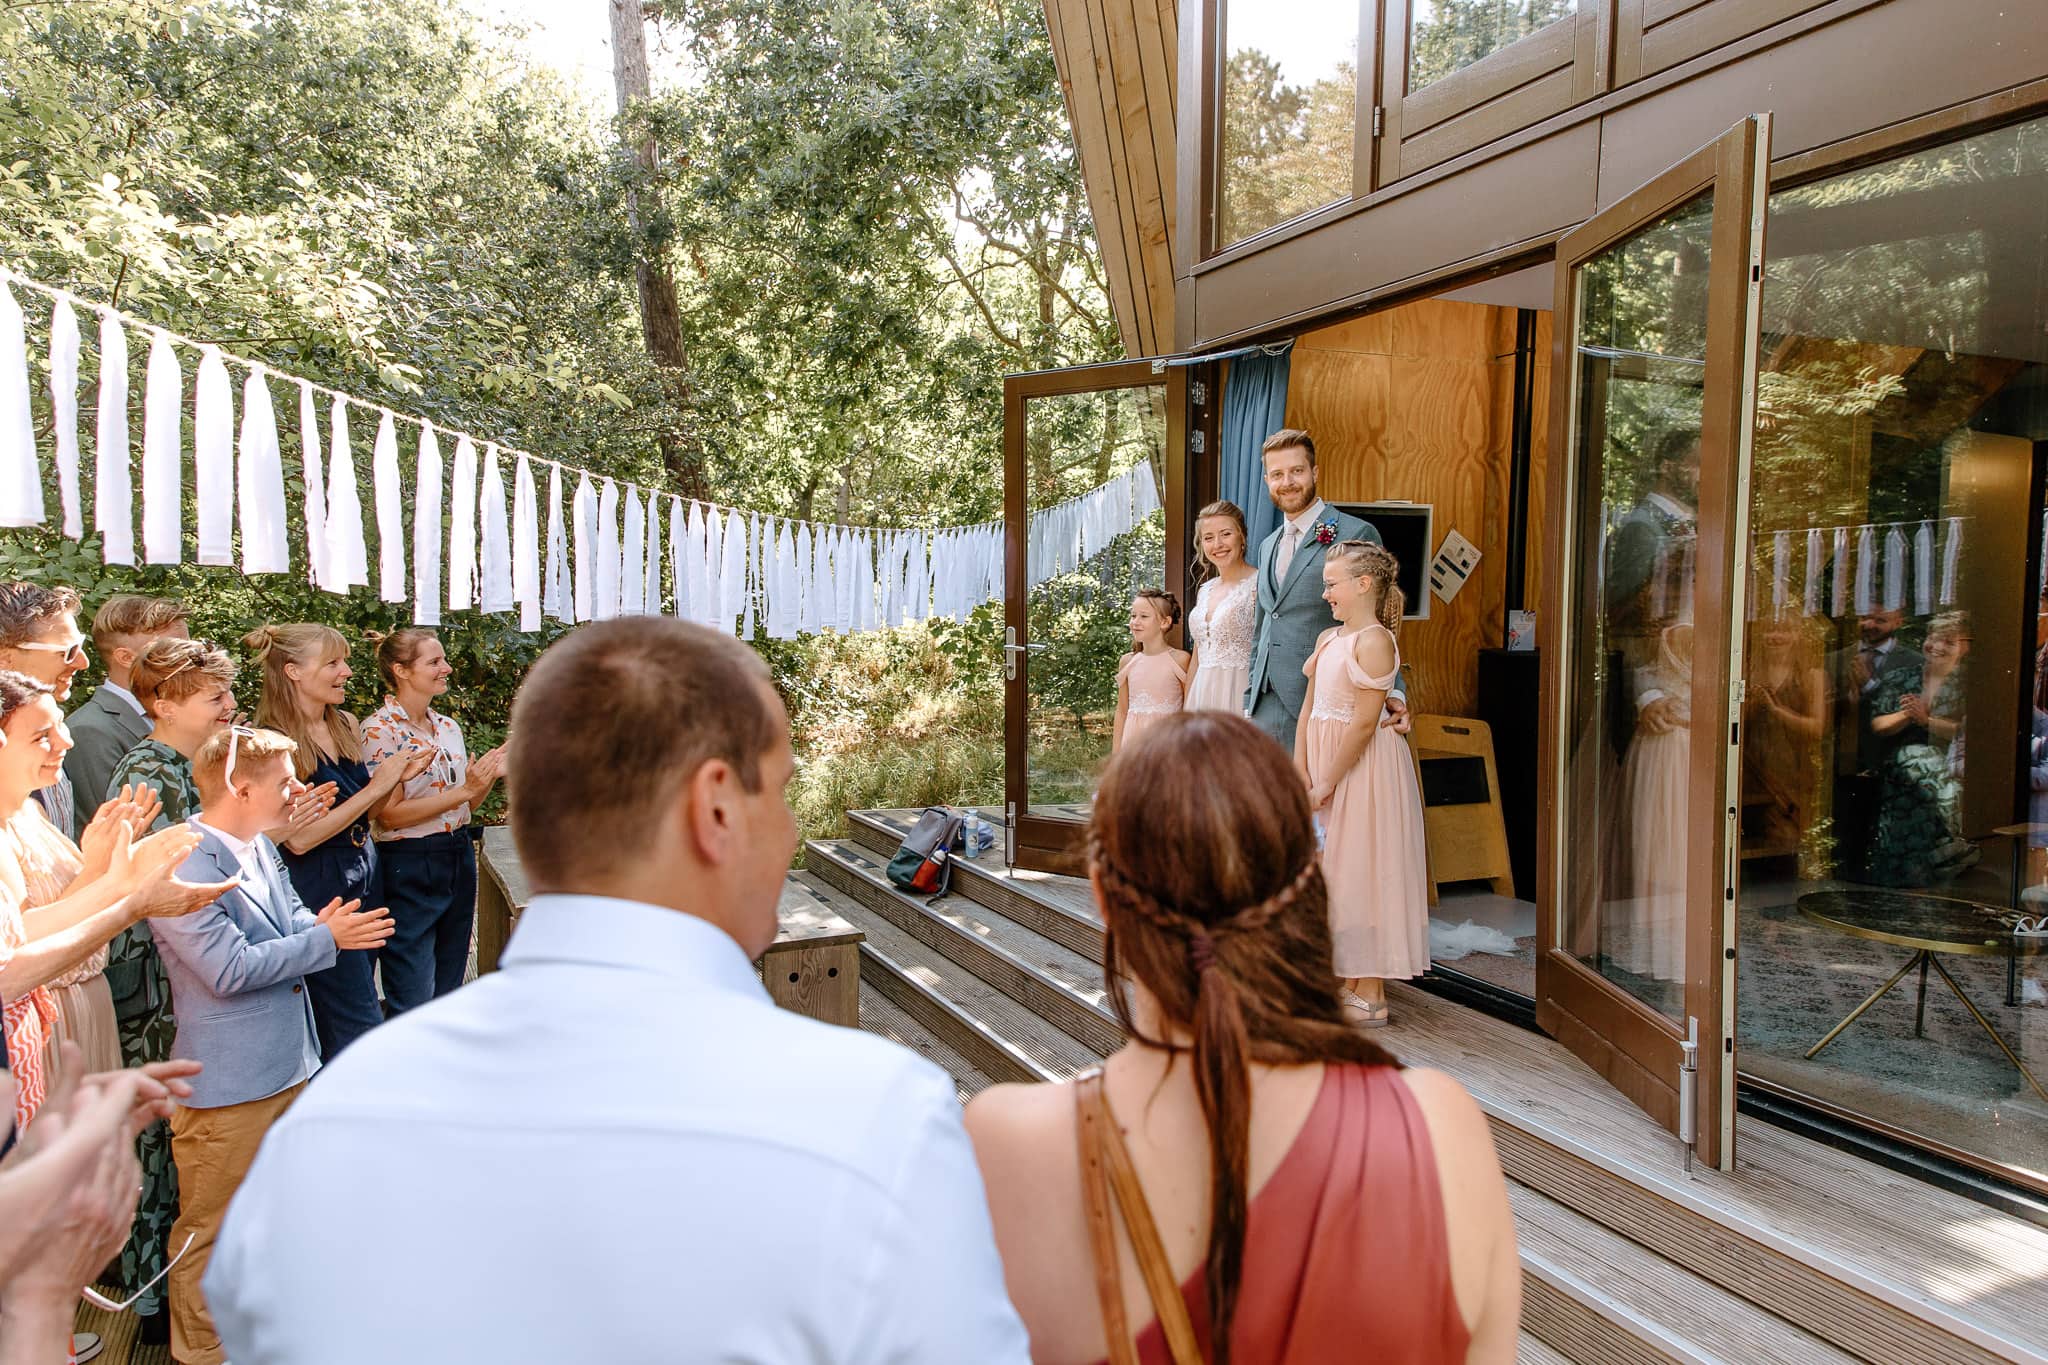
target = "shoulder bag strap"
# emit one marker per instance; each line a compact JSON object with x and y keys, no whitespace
{"x":1113,"y":1160}
{"x":1109,"y":1284}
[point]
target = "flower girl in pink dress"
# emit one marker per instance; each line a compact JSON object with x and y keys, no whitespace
{"x":1153,"y":680}
{"x":1362,"y":784}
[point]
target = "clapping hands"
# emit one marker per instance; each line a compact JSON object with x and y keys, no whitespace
{"x":356,"y":928}
{"x":484,"y":774}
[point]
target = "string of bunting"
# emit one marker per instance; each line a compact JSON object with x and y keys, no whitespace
{"x":617,"y":551}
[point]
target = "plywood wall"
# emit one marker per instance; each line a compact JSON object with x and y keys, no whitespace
{"x":1119,"y":63}
{"x":1417,"y":402}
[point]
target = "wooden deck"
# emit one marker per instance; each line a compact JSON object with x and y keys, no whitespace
{"x":1803,"y":1253}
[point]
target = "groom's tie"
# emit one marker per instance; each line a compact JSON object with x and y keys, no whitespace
{"x":1288,"y":544}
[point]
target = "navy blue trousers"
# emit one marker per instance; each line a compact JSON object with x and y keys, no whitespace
{"x":430,"y":885}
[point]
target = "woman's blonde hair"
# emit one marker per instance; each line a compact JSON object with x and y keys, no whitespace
{"x":172,"y":670}
{"x":1370,"y":559}
{"x":397,"y":650}
{"x":1222,"y":507}
{"x":307,"y":646}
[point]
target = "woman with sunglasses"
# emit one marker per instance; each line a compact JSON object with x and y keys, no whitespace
{"x":423,"y":832}
{"x":305,"y":676}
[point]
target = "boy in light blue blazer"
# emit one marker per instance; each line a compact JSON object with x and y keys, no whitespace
{"x":237,"y":987}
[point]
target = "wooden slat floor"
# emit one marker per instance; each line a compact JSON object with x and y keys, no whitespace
{"x":118,"y":1331}
{"x":1951,"y":1255}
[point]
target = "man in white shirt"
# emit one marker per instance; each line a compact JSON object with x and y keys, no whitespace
{"x":616,"y":1148}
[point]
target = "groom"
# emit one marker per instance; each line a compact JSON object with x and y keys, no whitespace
{"x":1292,"y":613}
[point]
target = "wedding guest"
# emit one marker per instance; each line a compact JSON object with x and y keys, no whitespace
{"x":1362,"y":783}
{"x":1916,"y":838}
{"x":1292,"y":614}
{"x":1313,"y":1201}
{"x":1785,"y":716}
{"x":305,"y":674}
{"x":1152,"y":680}
{"x":1859,"y":671}
{"x":624,"y":1069}
{"x":1642,"y":902}
{"x":423,"y":832}
{"x":186,"y":687}
{"x":1226,"y":610}
{"x":111,"y":721}
{"x":238,"y":987}
{"x":123,"y":881}
{"x":39,"y":639}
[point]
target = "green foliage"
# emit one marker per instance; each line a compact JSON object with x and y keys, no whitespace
{"x":1450,"y":35}
{"x":1287,"y":149}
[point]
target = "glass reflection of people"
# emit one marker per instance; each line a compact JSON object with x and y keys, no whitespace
{"x":1643,"y":912}
{"x":1153,"y":678}
{"x":1916,"y":838}
{"x":1859,"y":672}
{"x":1784,"y":716}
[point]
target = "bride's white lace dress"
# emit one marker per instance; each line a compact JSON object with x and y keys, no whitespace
{"x":1221,"y":628}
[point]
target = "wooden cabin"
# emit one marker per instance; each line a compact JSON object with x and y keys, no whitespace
{"x":1719,"y":329}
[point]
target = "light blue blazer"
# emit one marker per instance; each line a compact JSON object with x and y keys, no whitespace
{"x":236,"y":971}
{"x":1293,"y":614}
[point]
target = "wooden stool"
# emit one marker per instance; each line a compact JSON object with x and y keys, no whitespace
{"x":1466,"y":839}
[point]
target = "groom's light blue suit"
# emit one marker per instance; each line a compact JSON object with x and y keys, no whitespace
{"x":1292,"y":615}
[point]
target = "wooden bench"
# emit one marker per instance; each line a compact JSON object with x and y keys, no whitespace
{"x":813,"y":967}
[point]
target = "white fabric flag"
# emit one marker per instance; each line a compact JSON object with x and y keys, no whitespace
{"x":213,"y":457}
{"x":679,"y":553}
{"x":1839,"y":597}
{"x":1813,"y":563}
{"x":1866,"y":567}
{"x":806,"y":596}
{"x":495,"y":589}
{"x":526,"y":546}
{"x":1951,"y":555}
{"x":64,"y":412}
{"x":714,"y":567}
{"x":732,"y":596}
{"x":752,"y":575}
{"x":113,"y":487}
{"x":426,"y":530}
{"x":313,"y":480}
{"x":462,"y":527}
{"x":1894,"y":569}
{"x":163,"y":439}
{"x":651,"y":594}
{"x":608,"y":551}
{"x":583,"y":516}
{"x":1923,"y":569}
{"x":558,"y":592}
{"x":348,"y":554}
{"x":633,"y":556}
{"x":259,"y":476}
{"x":690,"y":581}
{"x":390,"y":511}
{"x":21,"y":479}
{"x":1781,"y":570}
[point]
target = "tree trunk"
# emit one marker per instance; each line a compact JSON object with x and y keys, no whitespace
{"x":661,"y":318}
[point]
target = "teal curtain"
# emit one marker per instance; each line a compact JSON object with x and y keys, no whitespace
{"x":1254,"y":407}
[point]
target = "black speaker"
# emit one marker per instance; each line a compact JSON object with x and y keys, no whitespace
{"x":1510,"y":685}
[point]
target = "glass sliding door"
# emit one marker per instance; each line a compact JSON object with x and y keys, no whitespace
{"x":1077,"y":444}
{"x":1894,"y":793}
{"x":1655,"y":345}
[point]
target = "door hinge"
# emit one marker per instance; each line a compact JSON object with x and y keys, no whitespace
{"x":1379,"y":120}
{"x":1198,"y":441}
{"x":1010,"y":834}
{"x":1198,"y":392}
{"x":1689,"y":1088}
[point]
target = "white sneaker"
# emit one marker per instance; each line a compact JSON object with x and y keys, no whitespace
{"x":86,"y":1346}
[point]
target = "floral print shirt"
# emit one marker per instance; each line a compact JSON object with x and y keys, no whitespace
{"x":388,"y":732}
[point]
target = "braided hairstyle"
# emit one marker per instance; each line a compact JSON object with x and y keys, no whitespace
{"x":1214,"y":901}
{"x":1370,"y":559}
{"x":1163,"y":602}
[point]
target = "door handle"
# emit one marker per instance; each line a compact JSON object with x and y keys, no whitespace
{"x":1011,"y":649}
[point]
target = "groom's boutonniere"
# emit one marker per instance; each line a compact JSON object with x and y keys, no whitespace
{"x":1326,"y":533}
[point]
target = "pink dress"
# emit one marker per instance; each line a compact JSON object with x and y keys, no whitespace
{"x":1373,"y":857}
{"x":49,"y":862}
{"x":1642,"y":910}
{"x":1157,"y":685}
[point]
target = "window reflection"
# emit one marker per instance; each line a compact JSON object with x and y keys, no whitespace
{"x":1290,"y":108}
{"x":1449,"y":35}
{"x":1894,"y":771}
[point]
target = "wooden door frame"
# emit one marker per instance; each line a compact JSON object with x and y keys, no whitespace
{"x":1634,"y":1047}
{"x":1041,"y":843}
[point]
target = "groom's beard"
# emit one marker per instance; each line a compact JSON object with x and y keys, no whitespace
{"x":1295,"y":503}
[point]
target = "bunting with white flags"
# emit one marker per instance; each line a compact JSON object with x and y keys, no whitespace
{"x":259,"y":483}
{"x":213,"y":458}
{"x":314,"y":479}
{"x":348,"y":554}
{"x":163,"y":494}
{"x":113,"y":492}
{"x":462,"y":527}
{"x":426,"y":532}
{"x":390,"y":512}
{"x":495,"y":588}
{"x":526,"y":574}
{"x":64,"y":346}
{"x":21,"y":482}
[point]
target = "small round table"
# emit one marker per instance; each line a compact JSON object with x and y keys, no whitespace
{"x":1928,"y":925}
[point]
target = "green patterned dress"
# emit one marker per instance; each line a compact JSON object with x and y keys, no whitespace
{"x":142,"y":1000}
{"x":1917,"y":839}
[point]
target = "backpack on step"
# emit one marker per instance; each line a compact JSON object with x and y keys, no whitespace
{"x":924,"y":862}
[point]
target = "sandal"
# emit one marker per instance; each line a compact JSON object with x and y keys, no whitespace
{"x":1368,"y":1014}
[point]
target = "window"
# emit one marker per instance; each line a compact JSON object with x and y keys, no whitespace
{"x":1894,"y":801}
{"x":1289,"y":112}
{"x":1449,"y":35}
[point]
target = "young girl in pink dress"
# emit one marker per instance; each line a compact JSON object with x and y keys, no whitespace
{"x":1153,"y":680}
{"x":1361,"y":783}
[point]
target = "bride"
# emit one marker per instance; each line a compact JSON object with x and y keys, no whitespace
{"x":1220,"y":626}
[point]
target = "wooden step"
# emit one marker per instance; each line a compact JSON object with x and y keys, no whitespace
{"x":1052,"y":981}
{"x":1602,"y":1300}
{"x":1055,"y":907}
{"x":1530,"y":1351}
{"x":997,"y":1035}
{"x":884,"y":1018}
